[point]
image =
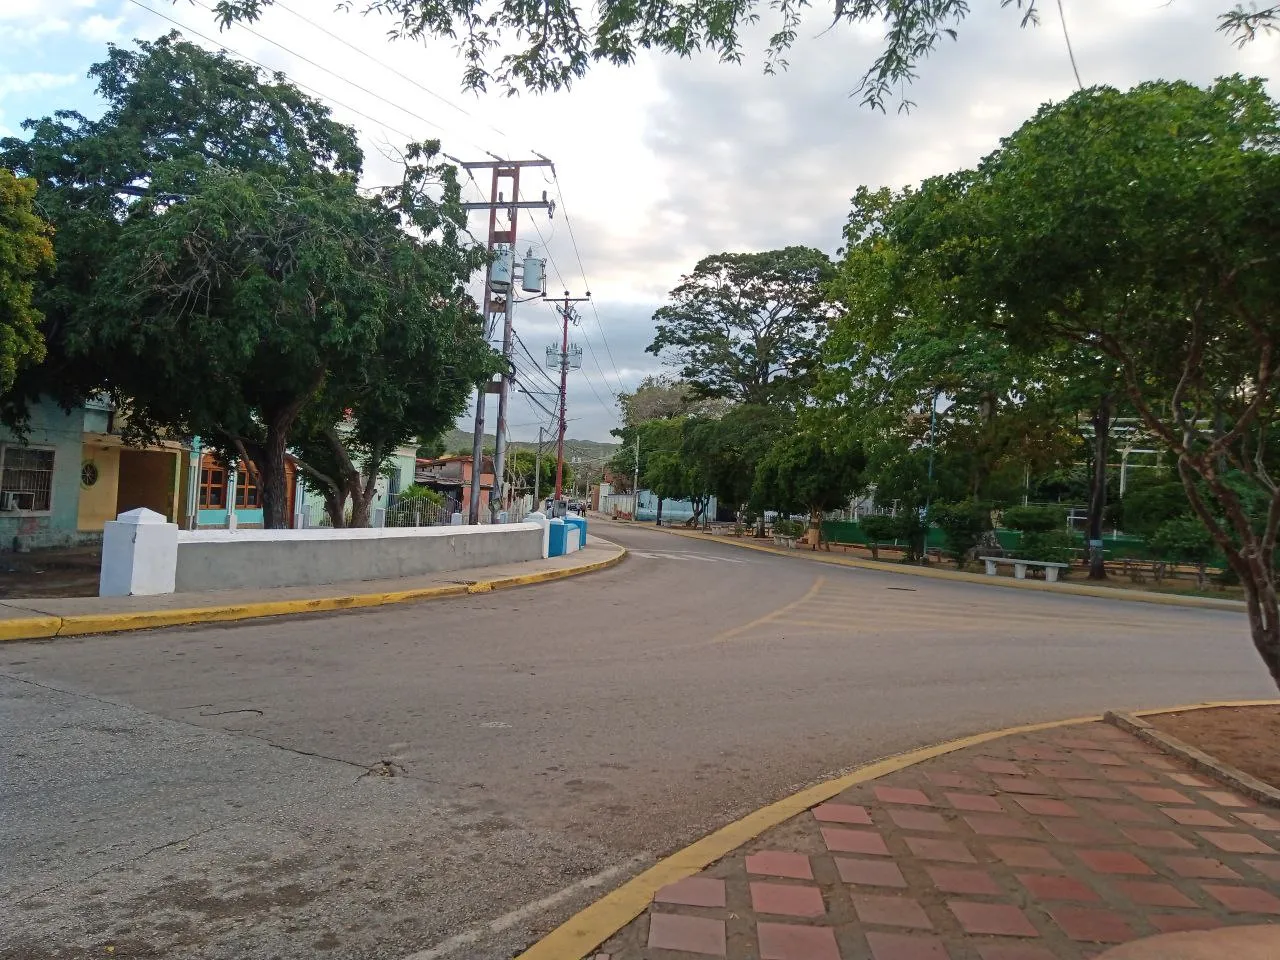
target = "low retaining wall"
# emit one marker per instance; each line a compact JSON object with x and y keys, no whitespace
{"x":223,"y":559}
{"x":143,"y":554}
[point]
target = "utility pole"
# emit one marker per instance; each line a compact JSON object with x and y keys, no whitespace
{"x":635,"y":481}
{"x":537,"y":472}
{"x":499,"y":296}
{"x":565,"y":360}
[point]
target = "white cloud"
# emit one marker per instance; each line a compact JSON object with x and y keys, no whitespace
{"x":11,"y":83}
{"x":101,"y":29}
{"x":668,"y":160}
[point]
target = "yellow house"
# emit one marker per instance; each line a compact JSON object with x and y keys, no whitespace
{"x":115,"y":478}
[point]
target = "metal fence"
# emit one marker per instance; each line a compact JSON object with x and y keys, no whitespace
{"x":414,"y":512}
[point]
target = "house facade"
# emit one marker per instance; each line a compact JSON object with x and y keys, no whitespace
{"x":451,"y":477}
{"x":71,"y":473}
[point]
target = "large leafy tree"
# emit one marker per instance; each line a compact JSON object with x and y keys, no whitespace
{"x":173,"y":112}
{"x":549,"y":45}
{"x":906,"y":373}
{"x":747,"y":327}
{"x":221,"y":269}
{"x":1142,"y":225}
{"x":25,"y":250}
{"x":806,"y":470}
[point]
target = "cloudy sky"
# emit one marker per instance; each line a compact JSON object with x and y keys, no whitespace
{"x":663,"y":162}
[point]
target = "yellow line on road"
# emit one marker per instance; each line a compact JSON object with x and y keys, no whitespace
{"x":1062,"y":589}
{"x":761,"y":621}
{"x":586,"y":930}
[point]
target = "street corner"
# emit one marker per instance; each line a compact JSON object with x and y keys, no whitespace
{"x":1047,"y":842}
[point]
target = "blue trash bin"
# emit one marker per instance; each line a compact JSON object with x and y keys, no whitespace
{"x":579,"y":525}
{"x":555,"y":543}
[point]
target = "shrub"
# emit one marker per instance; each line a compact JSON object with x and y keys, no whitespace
{"x":1035,"y":519}
{"x":425,"y":494}
{"x":788,"y":528}
{"x":962,"y":525}
{"x":879,"y":529}
{"x":1051,"y":546}
{"x":1184,"y":540}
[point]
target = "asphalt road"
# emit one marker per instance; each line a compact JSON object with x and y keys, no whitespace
{"x":454,"y":778}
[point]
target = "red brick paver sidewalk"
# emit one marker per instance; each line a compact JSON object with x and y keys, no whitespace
{"x":1031,"y":847}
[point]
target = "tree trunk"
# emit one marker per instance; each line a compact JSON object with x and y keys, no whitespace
{"x":658,"y":521}
{"x":275,"y":487}
{"x":1098,"y":487}
{"x":1264,"y":615}
{"x":815,"y":527}
{"x":335,"y":505}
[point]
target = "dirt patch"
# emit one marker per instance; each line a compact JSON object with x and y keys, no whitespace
{"x":63,"y":572}
{"x":1248,"y":738}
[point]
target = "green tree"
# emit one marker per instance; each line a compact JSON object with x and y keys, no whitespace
{"x":669,"y":472}
{"x":523,"y":465}
{"x":805,"y":471}
{"x":1142,"y":224}
{"x":173,"y":111}
{"x":1184,"y":540}
{"x":747,"y":326}
{"x":727,"y":450}
{"x":655,"y":398}
{"x":962,"y":524}
{"x":880,"y":528}
{"x":547,"y":47}
{"x":905,"y":368}
{"x":25,"y":250}
{"x":221,"y":271}
{"x":1151,"y":501}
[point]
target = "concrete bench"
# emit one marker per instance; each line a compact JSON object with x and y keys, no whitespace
{"x":1020,"y":567}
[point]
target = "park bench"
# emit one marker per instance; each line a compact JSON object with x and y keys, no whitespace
{"x":1020,"y":567}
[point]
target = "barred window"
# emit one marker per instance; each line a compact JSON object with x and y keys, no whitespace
{"x":28,"y":474}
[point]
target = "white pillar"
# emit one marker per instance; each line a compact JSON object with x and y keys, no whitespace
{"x":139,"y":555}
{"x":541,"y":520}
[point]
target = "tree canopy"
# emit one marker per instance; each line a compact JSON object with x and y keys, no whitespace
{"x":747,"y":327}
{"x":220,"y":270}
{"x":1141,"y":224}
{"x":549,"y":46}
{"x":25,"y":250}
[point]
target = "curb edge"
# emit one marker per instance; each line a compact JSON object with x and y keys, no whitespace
{"x":48,"y":627}
{"x":1249,"y":785}
{"x":961,"y":576}
{"x":598,"y":921}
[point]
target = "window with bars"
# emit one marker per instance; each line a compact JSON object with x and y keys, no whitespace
{"x":28,"y":475}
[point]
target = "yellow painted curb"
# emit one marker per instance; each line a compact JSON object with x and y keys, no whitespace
{"x":1068,"y":589}
{"x":29,"y":628}
{"x":592,"y":926}
{"x":47,"y":627}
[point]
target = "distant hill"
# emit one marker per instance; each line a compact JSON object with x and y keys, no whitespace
{"x":460,"y":441}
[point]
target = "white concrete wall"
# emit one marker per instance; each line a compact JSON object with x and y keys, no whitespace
{"x":223,"y":559}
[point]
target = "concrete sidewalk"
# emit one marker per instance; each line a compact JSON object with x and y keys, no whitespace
{"x":1034,"y":846}
{"x":44,"y":618}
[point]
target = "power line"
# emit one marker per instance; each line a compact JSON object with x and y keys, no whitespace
{"x":586,"y":339}
{"x":332,"y":73}
{"x":403,"y":76}
{"x":222,"y":46}
{"x":564,"y":208}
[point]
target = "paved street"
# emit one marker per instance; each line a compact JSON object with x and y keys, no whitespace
{"x":450,"y":778}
